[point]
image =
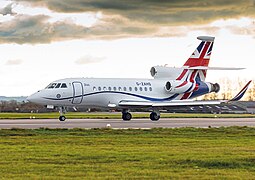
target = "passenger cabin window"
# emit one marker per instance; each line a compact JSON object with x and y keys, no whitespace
{"x":63,"y":85}
{"x":105,"y":89}
{"x":130,"y":88}
{"x":145,"y":88}
{"x":99,"y":88}
{"x":94,"y":88}
{"x":150,"y":88}
{"x":114,"y":88}
{"x":141,"y":89}
{"x":125,"y":89}
{"x":109,"y":88}
{"x":119,"y":88}
{"x":135,"y":88}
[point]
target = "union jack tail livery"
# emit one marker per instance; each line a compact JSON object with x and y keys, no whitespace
{"x":201,"y":56}
{"x":196,"y":66}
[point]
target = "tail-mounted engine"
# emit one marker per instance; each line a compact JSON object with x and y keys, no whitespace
{"x":179,"y":87}
{"x":176,"y":86}
{"x":165,"y":72}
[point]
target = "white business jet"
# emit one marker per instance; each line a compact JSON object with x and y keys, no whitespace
{"x":169,"y":87}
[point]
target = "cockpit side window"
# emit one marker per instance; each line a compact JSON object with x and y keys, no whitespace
{"x":58,"y":85}
{"x":63,"y":85}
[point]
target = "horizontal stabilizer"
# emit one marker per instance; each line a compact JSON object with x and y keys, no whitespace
{"x":214,"y":68}
{"x":206,"y":38}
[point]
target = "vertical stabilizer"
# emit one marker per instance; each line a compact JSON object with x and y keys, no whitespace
{"x":201,"y":55}
{"x":199,"y":58}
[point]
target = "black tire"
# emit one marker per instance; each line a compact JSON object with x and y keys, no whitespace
{"x":126,"y":116}
{"x":62,"y":118}
{"x":154,"y":116}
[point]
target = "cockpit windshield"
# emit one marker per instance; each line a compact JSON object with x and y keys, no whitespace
{"x":51,"y":86}
{"x":56,"y":85}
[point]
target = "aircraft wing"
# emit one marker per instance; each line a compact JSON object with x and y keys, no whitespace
{"x":168,"y":103}
{"x":176,"y":103}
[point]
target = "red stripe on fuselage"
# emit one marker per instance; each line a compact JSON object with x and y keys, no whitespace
{"x":191,"y":79}
{"x":182,"y":84}
{"x":204,"y":72}
{"x":182,"y":74}
{"x":186,"y":96}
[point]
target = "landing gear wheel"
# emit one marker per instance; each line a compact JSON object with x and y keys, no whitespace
{"x":62,"y":118}
{"x":126,"y":116}
{"x":154,"y":116}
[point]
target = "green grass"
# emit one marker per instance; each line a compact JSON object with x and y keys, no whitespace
{"x":183,"y":153}
{"x":78,"y":115}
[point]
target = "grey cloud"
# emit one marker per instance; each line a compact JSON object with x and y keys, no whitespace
{"x":7,"y":10}
{"x":122,"y":19}
{"x":89,"y":60}
{"x":36,"y":29}
{"x":171,"y":12}
{"x":14,"y":62}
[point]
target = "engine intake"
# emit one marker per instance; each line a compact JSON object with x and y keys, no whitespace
{"x":168,"y":86}
{"x":175,"y":86}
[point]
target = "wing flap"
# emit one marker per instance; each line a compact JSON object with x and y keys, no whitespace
{"x":186,"y":103}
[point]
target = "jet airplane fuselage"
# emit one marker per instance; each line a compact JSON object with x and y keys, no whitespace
{"x":108,"y":93}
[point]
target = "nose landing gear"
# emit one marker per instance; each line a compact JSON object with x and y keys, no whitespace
{"x":62,"y":118}
{"x":62,"y":111}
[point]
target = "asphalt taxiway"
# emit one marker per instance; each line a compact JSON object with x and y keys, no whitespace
{"x":118,"y":123}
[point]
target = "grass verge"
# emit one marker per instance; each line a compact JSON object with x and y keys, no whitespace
{"x":183,"y":153}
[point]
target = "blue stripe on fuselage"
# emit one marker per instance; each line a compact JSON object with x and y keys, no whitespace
{"x":202,"y":89}
{"x":125,"y":93}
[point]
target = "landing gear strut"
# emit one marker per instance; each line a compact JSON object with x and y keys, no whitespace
{"x":62,"y":111}
{"x":126,"y":116}
{"x":154,"y":116}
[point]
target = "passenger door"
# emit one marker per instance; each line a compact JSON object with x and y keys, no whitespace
{"x":77,"y":92}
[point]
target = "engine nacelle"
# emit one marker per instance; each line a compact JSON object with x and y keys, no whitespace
{"x":176,"y":86}
{"x":165,"y":72}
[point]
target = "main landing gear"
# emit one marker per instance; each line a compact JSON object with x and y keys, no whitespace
{"x":154,"y":116}
{"x":126,"y":116}
{"x":62,"y":111}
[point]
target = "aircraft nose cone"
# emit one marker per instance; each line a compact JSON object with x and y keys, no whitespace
{"x":33,"y":98}
{"x":30,"y":98}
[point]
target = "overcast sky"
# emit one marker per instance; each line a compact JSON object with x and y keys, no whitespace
{"x":45,"y":40}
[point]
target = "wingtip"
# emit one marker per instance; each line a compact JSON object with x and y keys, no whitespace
{"x":241,"y":93}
